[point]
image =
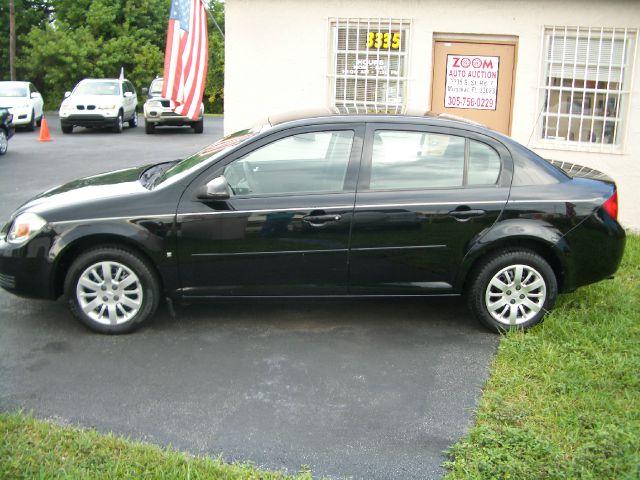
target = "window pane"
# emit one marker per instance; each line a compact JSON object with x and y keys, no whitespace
{"x":586,"y":85}
{"x":484,"y":165}
{"x":305,"y":163}
{"x":407,"y":160}
{"x":370,"y":65}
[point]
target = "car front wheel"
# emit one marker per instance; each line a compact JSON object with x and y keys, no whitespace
{"x":31,"y":126}
{"x":198,"y":127}
{"x":117,"y":128}
{"x":4,"y":142}
{"x":512,"y":290}
{"x":149,"y":127}
{"x":133,"y":123}
{"x":111,"y":290}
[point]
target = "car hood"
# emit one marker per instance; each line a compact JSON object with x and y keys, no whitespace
{"x":87,"y":192}
{"x":13,"y":101}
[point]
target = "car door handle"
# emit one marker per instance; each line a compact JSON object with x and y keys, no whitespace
{"x":320,"y":220}
{"x":466,"y":214}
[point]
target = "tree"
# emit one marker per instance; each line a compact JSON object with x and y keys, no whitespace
{"x":29,"y":14}
{"x":74,"y":39}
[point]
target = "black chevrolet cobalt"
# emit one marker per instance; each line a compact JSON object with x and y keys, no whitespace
{"x":329,"y":206}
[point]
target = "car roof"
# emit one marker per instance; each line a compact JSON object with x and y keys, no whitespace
{"x":320,"y":116}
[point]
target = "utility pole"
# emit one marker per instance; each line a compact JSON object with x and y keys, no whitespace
{"x":12,"y":39}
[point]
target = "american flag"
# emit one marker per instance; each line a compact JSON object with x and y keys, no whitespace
{"x":186,"y":57}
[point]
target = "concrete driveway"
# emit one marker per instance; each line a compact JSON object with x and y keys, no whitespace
{"x":353,"y":389}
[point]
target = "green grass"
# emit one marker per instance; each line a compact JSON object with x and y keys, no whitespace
{"x":563,"y":400}
{"x":31,"y":448}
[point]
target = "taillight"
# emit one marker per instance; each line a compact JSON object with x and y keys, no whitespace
{"x":611,"y":206}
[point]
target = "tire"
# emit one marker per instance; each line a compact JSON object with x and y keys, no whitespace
{"x":520,"y":285}
{"x":149,"y":127}
{"x":39,"y":121}
{"x":66,"y":128}
{"x":198,"y":127}
{"x":31,"y":126}
{"x":133,"y":123}
{"x":119,"y":126}
{"x":94,"y":294}
{"x":4,"y":141}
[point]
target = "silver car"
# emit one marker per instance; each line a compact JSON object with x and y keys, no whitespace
{"x":158,"y":111}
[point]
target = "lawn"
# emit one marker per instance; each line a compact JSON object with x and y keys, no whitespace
{"x":562,"y":401}
{"x":31,"y":448}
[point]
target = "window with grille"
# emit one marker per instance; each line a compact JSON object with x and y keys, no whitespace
{"x":369,"y":65}
{"x":586,"y":85}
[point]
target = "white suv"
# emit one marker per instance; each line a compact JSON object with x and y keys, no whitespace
{"x":24,"y":103}
{"x":158,"y":111}
{"x":100,"y":102}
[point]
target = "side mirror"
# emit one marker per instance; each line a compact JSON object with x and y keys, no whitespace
{"x":145,"y":91}
{"x":128,"y":94}
{"x":35,"y":95}
{"x":67,"y":94}
{"x":216,"y":189}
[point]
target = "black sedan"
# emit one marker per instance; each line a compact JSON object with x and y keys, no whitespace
{"x":6,"y":129}
{"x":330,"y":206}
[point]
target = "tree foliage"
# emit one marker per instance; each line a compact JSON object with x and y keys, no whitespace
{"x":61,"y":42}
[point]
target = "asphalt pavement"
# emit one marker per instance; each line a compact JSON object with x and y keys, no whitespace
{"x":366,"y":389}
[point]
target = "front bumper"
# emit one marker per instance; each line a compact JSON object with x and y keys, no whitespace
{"x":21,"y":116}
{"x":25,"y":269}
{"x":89,"y":120}
{"x":165,"y":116}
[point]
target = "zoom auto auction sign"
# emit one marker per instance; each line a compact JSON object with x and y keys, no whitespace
{"x":472,"y":82}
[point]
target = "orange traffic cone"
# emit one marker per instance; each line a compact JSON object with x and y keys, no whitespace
{"x":44,"y":131}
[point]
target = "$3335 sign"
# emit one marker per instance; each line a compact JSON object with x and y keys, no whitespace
{"x":383,"y":40}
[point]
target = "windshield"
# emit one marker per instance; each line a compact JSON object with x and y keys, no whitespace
{"x":13,"y":91}
{"x":98,"y":88}
{"x":217,"y":149}
{"x":156,"y":87}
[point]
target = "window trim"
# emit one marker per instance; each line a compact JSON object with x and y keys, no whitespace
{"x":506,"y":166}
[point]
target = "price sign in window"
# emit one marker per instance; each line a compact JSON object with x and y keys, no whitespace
{"x":369,"y":70}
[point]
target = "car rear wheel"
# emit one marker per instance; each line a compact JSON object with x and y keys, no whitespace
{"x":119,"y":124}
{"x":111,"y":290}
{"x":4,"y":142}
{"x":149,"y":127}
{"x":512,"y":290}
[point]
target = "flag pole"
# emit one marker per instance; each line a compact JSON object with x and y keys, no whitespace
{"x":206,"y":4}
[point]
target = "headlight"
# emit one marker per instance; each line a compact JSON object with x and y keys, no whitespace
{"x":25,"y":227}
{"x":64,"y":107}
{"x":24,"y":105}
{"x":154,"y":103}
{"x":109,"y":106}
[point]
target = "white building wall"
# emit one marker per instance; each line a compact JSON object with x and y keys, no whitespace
{"x":277,"y":59}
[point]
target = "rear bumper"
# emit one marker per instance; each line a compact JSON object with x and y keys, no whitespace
{"x":594,"y":251}
{"x":93,"y":120}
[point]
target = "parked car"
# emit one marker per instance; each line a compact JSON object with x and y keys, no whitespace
{"x":331,"y":206}
{"x":24,"y":101}
{"x":100,"y":102}
{"x":158,"y":111}
{"x":6,"y":129}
